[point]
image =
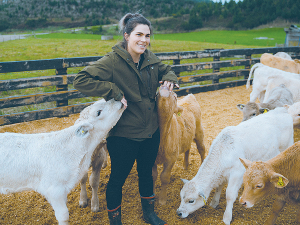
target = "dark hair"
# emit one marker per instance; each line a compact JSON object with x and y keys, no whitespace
{"x":128,"y":23}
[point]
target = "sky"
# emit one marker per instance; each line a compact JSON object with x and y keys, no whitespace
{"x":225,"y":0}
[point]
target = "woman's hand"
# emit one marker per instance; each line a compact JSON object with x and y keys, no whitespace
{"x":124,"y":101}
{"x":169,"y":84}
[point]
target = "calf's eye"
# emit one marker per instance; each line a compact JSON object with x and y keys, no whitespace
{"x":99,"y":112}
{"x":191,"y":201}
{"x":259,"y":186}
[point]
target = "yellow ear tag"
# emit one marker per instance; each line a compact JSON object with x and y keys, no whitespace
{"x":179,"y":114}
{"x":265,"y":111}
{"x":82,"y":131}
{"x":204,"y":199}
{"x":280,"y":182}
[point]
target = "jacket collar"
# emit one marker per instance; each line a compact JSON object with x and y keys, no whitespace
{"x":148,"y":57}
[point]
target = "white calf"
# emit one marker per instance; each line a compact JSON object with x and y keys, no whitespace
{"x":283,"y":55}
{"x":53,"y":163}
{"x":260,"y":79}
{"x":290,"y":83}
{"x":260,"y":138}
{"x":294,"y":111}
{"x":279,"y":96}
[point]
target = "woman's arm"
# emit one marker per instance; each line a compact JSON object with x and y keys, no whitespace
{"x":95,"y":80}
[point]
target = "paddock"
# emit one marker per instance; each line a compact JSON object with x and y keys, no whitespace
{"x":218,"y":111}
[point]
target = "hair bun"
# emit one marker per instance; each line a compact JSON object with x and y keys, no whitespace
{"x":125,"y":19}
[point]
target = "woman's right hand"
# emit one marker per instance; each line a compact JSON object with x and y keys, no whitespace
{"x":124,"y":101}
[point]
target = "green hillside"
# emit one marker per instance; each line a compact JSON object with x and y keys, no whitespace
{"x":167,"y":15}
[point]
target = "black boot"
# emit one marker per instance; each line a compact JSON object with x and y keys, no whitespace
{"x":115,"y":216}
{"x":148,"y":211}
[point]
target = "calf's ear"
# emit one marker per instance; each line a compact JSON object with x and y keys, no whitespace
{"x":83,"y":130}
{"x":278,"y":180}
{"x":286,"y":106}
{"x":247,"y":163}
{"x":179,"y":110}
{"x":184,"y":180}
{"x":240,"y":106}
{"x":263,"y":110}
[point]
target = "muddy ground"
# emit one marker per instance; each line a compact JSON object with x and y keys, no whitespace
{"x":218,"y":111}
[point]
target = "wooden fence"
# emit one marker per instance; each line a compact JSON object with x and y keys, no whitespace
{"x":62,"y":95}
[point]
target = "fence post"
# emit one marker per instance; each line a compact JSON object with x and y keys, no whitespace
{"x":176,"y":62}
{"x":61,"y":87}
{"x":215,"y":70}
{"x":248,"y":66}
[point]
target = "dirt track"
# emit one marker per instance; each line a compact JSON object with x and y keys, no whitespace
{"x":218,"y":111}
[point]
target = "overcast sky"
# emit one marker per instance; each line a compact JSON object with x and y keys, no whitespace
{"x":225,"y":0}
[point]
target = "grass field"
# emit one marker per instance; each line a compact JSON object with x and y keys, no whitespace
{"x":248,"y":37}
{"x":261,"y":37}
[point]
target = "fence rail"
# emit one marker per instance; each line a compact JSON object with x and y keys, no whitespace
{"x":62,"y":80}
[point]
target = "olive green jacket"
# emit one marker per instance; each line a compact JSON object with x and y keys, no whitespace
{"x":115,"y":75}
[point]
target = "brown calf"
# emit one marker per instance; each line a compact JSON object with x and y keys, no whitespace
{"x":292,"y":66}
{"x":179,"y":126}
{"x":279,"y":175}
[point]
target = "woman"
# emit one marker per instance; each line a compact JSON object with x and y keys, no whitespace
{"x":130,"y":74}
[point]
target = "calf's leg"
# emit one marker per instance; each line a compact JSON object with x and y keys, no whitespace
{"x":200,"y":144}
{"x":58,"y":201}
{"x":99,"y":161}
{"x":277,"y":207}
{"x":186,"y":159}
{"x":216,"y":198}
{"x":165,"y":180}
{"x":83,"y":200}
{"x":234,"y":184}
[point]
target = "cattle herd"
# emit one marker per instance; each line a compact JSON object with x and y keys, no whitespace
{"x":258,"y":154}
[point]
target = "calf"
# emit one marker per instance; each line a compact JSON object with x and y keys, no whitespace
{"x":279,"y":96}
{"x":179,"y":126}
{"x":260,"y":138}
{"x":279,"y":175}
{"x":294,"y":111}
{"x":99,"y":161}
{"x":260,"y":74}
{"x":274,"y":61}
{"x":283,"y":55}
{"x":292,"y":84}
{"x":53,"y":163}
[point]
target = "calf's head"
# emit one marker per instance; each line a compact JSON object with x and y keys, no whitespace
{"x":294,"y":111}
{"x":260,"y":180}
{"x":167,"y":102}
{"x":191,"y":199}
{"x":100,"y":117}
{"x":250,"y":110}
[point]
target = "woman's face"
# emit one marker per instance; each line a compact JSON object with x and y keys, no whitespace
{"x":138,"y":40}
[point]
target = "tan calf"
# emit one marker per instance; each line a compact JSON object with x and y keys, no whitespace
{"x":287,"y":65}
{"x":99,"y":161}
{"x":179,"y":127}
{"x":279,"y":175}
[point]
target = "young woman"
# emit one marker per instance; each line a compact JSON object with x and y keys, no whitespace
{"x":131,"y":74}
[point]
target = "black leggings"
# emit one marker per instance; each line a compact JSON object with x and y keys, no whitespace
{"x":123,"y":153}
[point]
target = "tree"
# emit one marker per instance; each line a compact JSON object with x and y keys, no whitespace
{"x":195,"y":21}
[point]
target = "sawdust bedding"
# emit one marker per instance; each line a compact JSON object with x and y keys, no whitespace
{"x":218,"y":111}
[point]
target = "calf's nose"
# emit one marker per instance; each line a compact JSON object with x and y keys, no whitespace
{"x":179,"y":213}
{"x":244,"y":204}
